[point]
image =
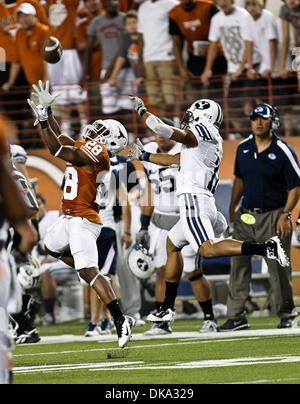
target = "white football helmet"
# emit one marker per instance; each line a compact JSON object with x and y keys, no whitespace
{"x":206,"y":111}
{"x":114,"y":137}
{"x":91,"y":132}
{"x":140,"y":262}
{"x":29,"y":275}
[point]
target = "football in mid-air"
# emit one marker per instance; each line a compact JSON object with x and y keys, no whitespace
{"x":51,"y":50}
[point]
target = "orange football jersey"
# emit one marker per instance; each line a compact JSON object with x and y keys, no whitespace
{"x":194,"y":25}
{"x":81,"y":184}
{"x":62,"y":17}
{"x":4,"y":145}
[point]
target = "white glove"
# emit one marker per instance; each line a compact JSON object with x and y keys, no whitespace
{"x":43,"y":94}
{"x":137,"y":152}
{"x":139,"y":105}
{"x":143,"y":239}
{"x":39,"y":112}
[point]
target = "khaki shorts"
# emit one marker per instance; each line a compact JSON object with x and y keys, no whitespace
{"x":160,"y":84}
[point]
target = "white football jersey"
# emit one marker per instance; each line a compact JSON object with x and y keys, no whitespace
{"x":163,"y":181}
{"x":199,"y":166}
{"x":108,"y":199}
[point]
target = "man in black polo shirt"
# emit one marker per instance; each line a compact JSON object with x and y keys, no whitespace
{"x":267,"y":176}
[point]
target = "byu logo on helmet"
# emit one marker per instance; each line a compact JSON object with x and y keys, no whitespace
{"x":202,"y":105}
{"x":205,"y":111}
{"x":140,"y":262}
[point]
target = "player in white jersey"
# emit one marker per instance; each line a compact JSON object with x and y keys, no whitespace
{"x":12,"y":209}
{"x":164,"y":213}
{"x":199,"y":166}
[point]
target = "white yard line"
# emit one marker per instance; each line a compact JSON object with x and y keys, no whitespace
{"x":180,"y":335}
{"x":139,"y":365}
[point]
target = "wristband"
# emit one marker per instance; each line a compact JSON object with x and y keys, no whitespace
{"x":143,"y":111}
{"x":49,"y":111}
{"x":145,"y":221}
{"x":127,"y":233}
{"x":288,"y":215}
{"x":44,"y":124}
{"x":147,"y":157}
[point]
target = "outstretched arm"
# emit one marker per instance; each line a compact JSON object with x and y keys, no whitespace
{"x":153,"y":123}
{"x":162,"y":159}
{"x":70,"y":154}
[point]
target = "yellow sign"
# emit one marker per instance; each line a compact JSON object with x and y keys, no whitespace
{"x":248,"y":219}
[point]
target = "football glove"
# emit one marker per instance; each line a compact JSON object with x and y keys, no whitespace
{"x":39,"y":112}
{"x":143,"y":239}
{"x":139,"y":105}
{"x":43,"y":94}
{"x":137,"y":152}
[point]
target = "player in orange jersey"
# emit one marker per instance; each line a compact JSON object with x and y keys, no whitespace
{"x":73,"y":237}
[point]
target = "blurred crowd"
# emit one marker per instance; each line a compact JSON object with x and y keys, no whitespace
{"x":170,"y":52}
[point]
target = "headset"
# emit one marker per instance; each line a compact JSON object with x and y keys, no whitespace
{"x":268,"y":112}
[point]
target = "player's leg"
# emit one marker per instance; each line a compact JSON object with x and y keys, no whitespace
{"x":173,"y":273}
{"x":5,"y":341}
{"x":201,"y":287}
{"x":83,"y":237}
{"x":271,"y":249}
{"x":158,"y":241}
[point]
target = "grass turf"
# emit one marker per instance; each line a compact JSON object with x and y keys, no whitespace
{"x":257,"y":359}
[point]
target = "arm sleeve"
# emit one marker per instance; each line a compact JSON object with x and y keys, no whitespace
{"x":173,"y":27}
{"x":237,"y":172}
{"x":214,"y":34}
{"x":292,"y":170}
{"x":213,"y":10}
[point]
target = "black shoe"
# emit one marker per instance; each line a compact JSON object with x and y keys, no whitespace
{"x":28,"y":337}
{"x":288,"y":322}
{"x":161,"y":316}
{"x":234,"y":325}
{"x":276,"y":252}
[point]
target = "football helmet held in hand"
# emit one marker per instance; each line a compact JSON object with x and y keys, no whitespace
{"x":140,"y":262}
{"x":29,"y":275}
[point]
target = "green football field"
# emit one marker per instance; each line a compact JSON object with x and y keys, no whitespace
{"x":261,"y":355}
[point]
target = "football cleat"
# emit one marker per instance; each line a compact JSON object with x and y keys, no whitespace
{"x":106,"y":326}
{"x":234,"y":325}
{"x":209,"y":326}
{"x":28,"y":337}
{"x":159,"y":329}
{"x":92,"y":331}
{"x":162,"y":315}
{"x":276,"y":252}
{"x":124,"y":330}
